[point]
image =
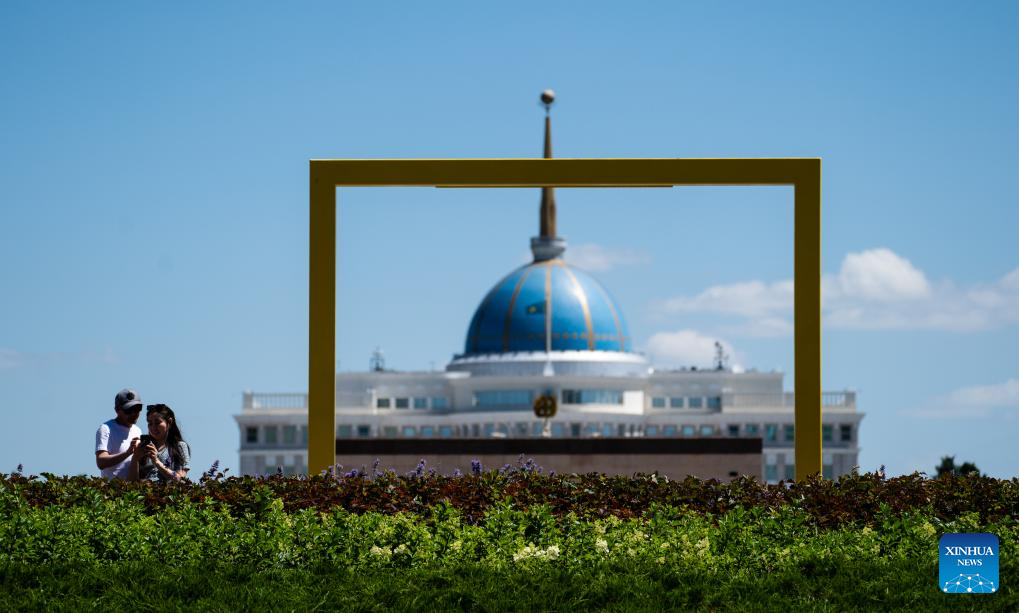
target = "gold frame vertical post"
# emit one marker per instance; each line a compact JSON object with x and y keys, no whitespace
{"x":807,"y":321}
{"x":804,"y":174}
{"x":321,"y":324}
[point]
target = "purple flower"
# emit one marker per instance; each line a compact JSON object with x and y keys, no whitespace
{"x":211,"y":473}
{"x":476,"y":467}
{"x":375,"y":468}
{"x":420,"y":470}
{"x":457,"y":473}
{"x":352,"y":474}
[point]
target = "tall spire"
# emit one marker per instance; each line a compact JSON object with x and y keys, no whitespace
{"x":547,"y":245}
{"x":548,"y":193}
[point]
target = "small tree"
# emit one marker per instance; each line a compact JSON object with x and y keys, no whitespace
{"x":948,"y":467}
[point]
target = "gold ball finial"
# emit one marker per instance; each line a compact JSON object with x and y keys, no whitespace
{"x":547,"y":98}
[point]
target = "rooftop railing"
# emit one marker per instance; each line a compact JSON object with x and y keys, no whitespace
{"x":832,"y":400}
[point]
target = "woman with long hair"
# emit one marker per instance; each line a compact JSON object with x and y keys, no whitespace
{"x":163,"y":456}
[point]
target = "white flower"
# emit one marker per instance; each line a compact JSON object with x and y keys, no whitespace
{"x":601,"y":545}
{"x":383,"y":552}
{"x":530,"y":551}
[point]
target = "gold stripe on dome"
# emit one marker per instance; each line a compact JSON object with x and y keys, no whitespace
{"x":582,"y":297}
{"x":615,"y":317}
{"x":548,"y":305}
{"x":509,"y":312}
{"x":475,"y":331}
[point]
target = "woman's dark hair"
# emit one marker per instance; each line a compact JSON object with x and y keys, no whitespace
{"x":173,"y":435}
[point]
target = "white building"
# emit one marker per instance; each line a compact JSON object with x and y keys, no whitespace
{"x":550,"y":329}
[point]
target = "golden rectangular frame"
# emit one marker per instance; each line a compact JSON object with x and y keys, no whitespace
{"x":803,"y":174}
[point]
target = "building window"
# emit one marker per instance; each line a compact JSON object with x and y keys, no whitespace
{"x":440,"y":402}
{"x":403,"y":403}
{"x":503,"y":398}
{"x":558,"y":430}
{"x":752,"y":429}
{"x":270,"y":435}
{"x":826,"y":433}
{"x":409,"y":431}
{"x":770,"y":473}
{"x":651,"y":431}
{"x":715,"y":402}
{"x":304,"y":435}
{"x":790,"y":472}
{"x":446,"y":431}
{"x":790,"y":432}
{"x":475,"y":430}
{"x":427,"y":431}
{"x":251,"y":434}
{"x":592,"y":396}
{"x":382,"y":403}
{"x":696,"y":402}
{"x":389,"y":431}
{"x":420,"y":403}
{"x":658,"y":402}
{"x":575,"y":430}
{"x":289,"y":435}
{"x":770,"y":432}
{"x":689,"y":430}
{"x":846,"y":433}
{"x":827,"y":471}
{"x":343,"y":431}
{"x":606,"y":430}
{"x":707,"y":430}
{"x":733,"y":430}
{"x":364,"y":431}
{"x":669,"y":430}
{"x":676,"y":402}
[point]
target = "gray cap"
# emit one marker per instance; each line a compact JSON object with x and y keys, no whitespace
{"x":126,"y":399}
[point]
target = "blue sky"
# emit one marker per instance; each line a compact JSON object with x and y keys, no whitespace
{"x":153,"y":215}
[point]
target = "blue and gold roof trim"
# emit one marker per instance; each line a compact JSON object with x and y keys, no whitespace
{"x":547,"y":305}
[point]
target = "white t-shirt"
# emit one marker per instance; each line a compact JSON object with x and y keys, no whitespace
{"x":114,"y":438}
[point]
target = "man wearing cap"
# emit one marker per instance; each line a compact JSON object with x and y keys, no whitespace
{"x":117,"y":439}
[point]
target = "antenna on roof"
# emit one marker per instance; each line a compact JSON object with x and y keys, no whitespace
{"x":721,"y":358}
{"x":377,"y":363}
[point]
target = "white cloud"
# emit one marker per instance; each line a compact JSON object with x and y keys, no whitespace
{"x":974,"y":401}
{"x":879,"y":275}
{"x":12,"y":358}
{"x":597,"y":258}
{"x":875,"y":289}
{"x":684,"y":348}
{"x":750,"y":299}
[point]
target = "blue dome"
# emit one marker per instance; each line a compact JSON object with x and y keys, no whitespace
{"x":513,"y":315}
